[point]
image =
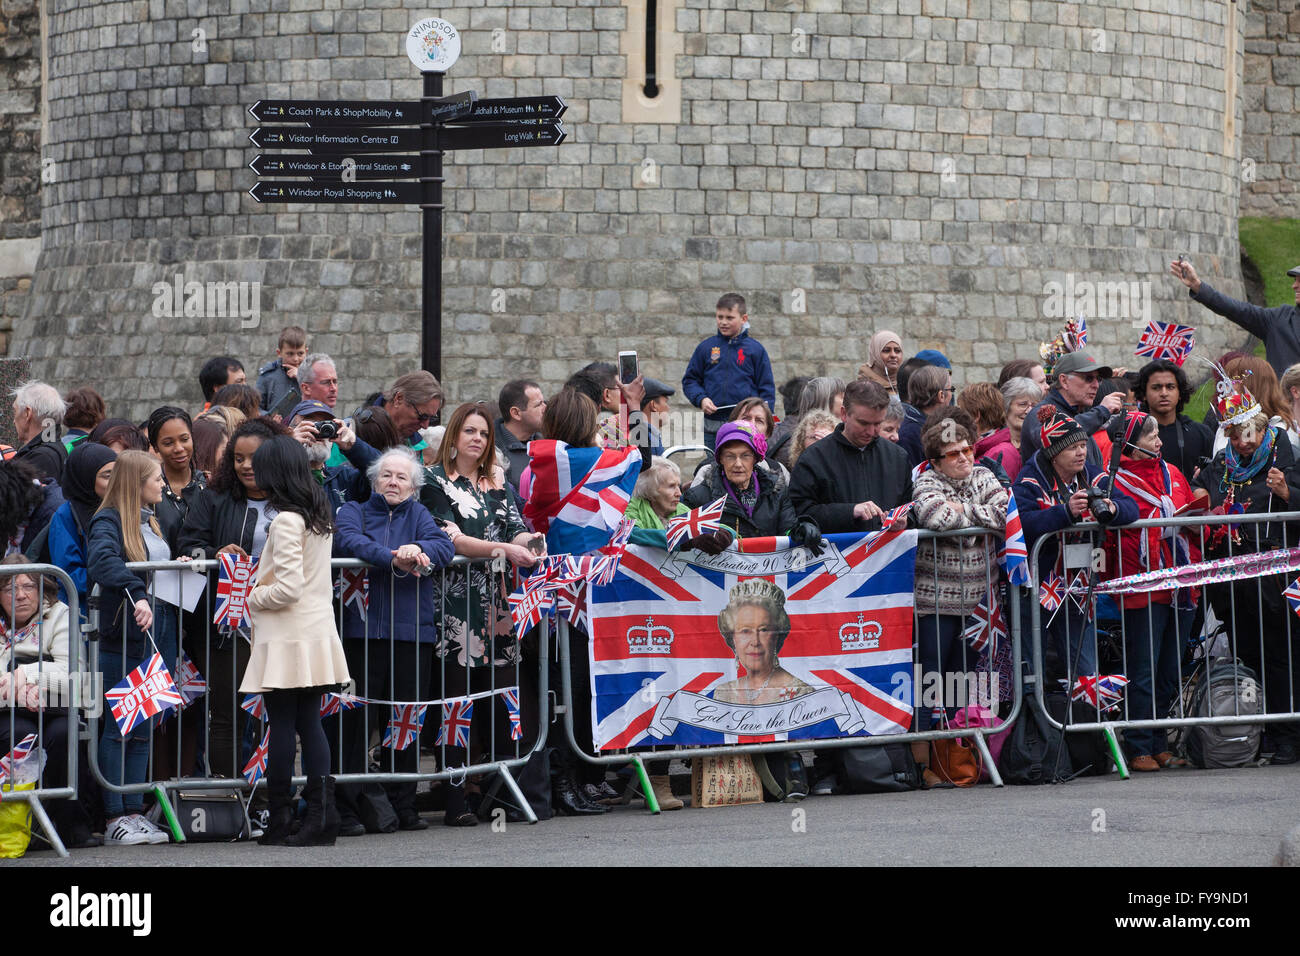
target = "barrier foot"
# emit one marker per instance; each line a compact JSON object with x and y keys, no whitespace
{"x":982,"y":745}
{"x":522,"y":802}
{"x":1116,"y":754}
{"x":169,"y":815}
{"x":651,"y":803}
{"x":51,"y":834}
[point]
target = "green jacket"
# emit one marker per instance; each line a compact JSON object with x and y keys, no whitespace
{"x":650,"y":529}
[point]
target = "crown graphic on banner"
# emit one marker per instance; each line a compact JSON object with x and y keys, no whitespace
{"x":651,"y":639}
{"x":861,"y":635}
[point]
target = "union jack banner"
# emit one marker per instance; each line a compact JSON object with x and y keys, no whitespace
{"x":331,"y":703}
{"x":1015,"y":556}
{"x":354,"y":588}
{"x":235,"y":578}
{"x":814,"y":648}
{"x":456,"y":716}
{"x":1104,"y":692}
{"x":255,"y":769}
{"x":1051,"y":592}
{"x":1166,"y":340}
{"x":987,"y":626}
{"x":145,"y":692}
{"x":1293,"y":595}
{"x":255,"y":705}
{"x":404,"y":726}
{"x":511,"y":697}
{"x":702,"y":520}
{"x":16,"y":756}
{"x":192,"y":684}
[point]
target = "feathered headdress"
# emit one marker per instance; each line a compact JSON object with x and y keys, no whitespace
{"x":1072,"y":337}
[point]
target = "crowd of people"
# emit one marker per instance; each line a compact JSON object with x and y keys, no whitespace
{"x":277,"y":472}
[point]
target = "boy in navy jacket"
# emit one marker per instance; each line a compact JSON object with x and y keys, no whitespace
{"x":727,"y":368}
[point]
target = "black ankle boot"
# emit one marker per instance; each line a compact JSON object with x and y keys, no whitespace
{"x":320,"y":827}
{"x":280,"y":804}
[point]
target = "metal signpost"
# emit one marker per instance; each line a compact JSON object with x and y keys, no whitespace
{"x":390,"y":151}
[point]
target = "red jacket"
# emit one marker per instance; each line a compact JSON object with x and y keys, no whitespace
{"x":1159,"y":490}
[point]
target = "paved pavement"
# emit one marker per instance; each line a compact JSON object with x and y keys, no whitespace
{"x":1172,"y":818}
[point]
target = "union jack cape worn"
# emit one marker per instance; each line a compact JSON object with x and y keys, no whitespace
{"x":579,"y":495}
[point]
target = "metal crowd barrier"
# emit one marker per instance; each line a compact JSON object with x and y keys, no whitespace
{"x":1247,"y":625}
{"x":221,"y":659}
{"x":977,"y":735}
{"x":59,"y":702}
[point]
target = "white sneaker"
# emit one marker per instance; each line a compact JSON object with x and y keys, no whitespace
{"x":125,"y":831}
{"x":152,"y":831}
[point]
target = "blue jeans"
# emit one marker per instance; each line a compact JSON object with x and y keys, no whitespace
{"x":1153,"y":640}
{"x":127,"y":761}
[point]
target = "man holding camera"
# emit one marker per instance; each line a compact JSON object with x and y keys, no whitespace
{"x":1058,"y":488}
{"x":316,"y":428}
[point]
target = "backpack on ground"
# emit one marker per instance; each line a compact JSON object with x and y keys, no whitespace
{"x":1033,"y":752}
{"x":1223,"y":687}
{"x":1089,"y":752}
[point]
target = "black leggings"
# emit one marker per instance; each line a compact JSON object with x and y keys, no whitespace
{"x":296,"y":710}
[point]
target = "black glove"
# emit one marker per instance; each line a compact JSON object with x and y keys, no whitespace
{"x":712,"y":543}
{"x":806,"y":534}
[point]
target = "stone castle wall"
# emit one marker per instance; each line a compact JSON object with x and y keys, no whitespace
{"x":922,"y":165}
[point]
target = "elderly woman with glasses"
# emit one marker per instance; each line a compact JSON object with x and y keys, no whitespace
{"x":953,"y":575}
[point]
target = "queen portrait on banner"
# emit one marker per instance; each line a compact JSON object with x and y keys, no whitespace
{"x":755,"y":626}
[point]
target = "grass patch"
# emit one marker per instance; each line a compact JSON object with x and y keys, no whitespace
{"x":1273,"y":245}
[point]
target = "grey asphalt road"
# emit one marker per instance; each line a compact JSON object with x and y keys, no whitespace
{"x":1172,"y":818}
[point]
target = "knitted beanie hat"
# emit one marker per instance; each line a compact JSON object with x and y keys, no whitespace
{"x":1058,"y":430}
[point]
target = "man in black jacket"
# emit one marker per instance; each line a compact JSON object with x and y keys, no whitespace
{"x":38,"y":420}
{"x":850,"y":478}
{"x":1278,"y":328}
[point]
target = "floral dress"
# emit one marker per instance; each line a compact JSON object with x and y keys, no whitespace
{"x":475,"y":625}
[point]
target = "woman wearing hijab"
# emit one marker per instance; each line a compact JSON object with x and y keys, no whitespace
{"x":85,"y":479}
{"x":884,"y":357}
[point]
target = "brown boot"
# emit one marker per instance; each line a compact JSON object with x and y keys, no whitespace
{"x":663,"y":790}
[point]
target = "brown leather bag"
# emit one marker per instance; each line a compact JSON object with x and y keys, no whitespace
{"x":955,"y":760}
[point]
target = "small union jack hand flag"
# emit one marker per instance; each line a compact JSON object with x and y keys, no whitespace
{"x":235,"y":578}
{"x":1104,"y":692}
{"x":1078,"y":592}
{"x":1015,"y":556}
{"x":255,"y":769}
{"x":526,"y":609}
{"x":331,"y":703}
{"x":191,"y":682}
{"x":255,"y":705}
{"x":1051,"y":592}
{"x":986,"y":625}
{"x":888,"y":519}
{"x":20,"y":753}
{"x":702,"y":520}
{"x":354,"y":588}
{"x":456,"y":716}
{"x":571,"y":601}
{"x":145,"y":692}
{"x":1293,"y":595}
{"x":622,"y":535}
{"x":404,"y":726}
{"x":511,"y":698}
{"x":1166,"y":340}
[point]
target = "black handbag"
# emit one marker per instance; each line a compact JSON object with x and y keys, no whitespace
{"x":888,"y":768}
{"x":209,"y":816}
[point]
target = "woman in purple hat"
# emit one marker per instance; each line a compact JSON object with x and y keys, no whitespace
{"x":757,"y":505}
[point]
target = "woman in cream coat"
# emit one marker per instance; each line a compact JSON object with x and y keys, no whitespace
{"x":296,"y":654}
